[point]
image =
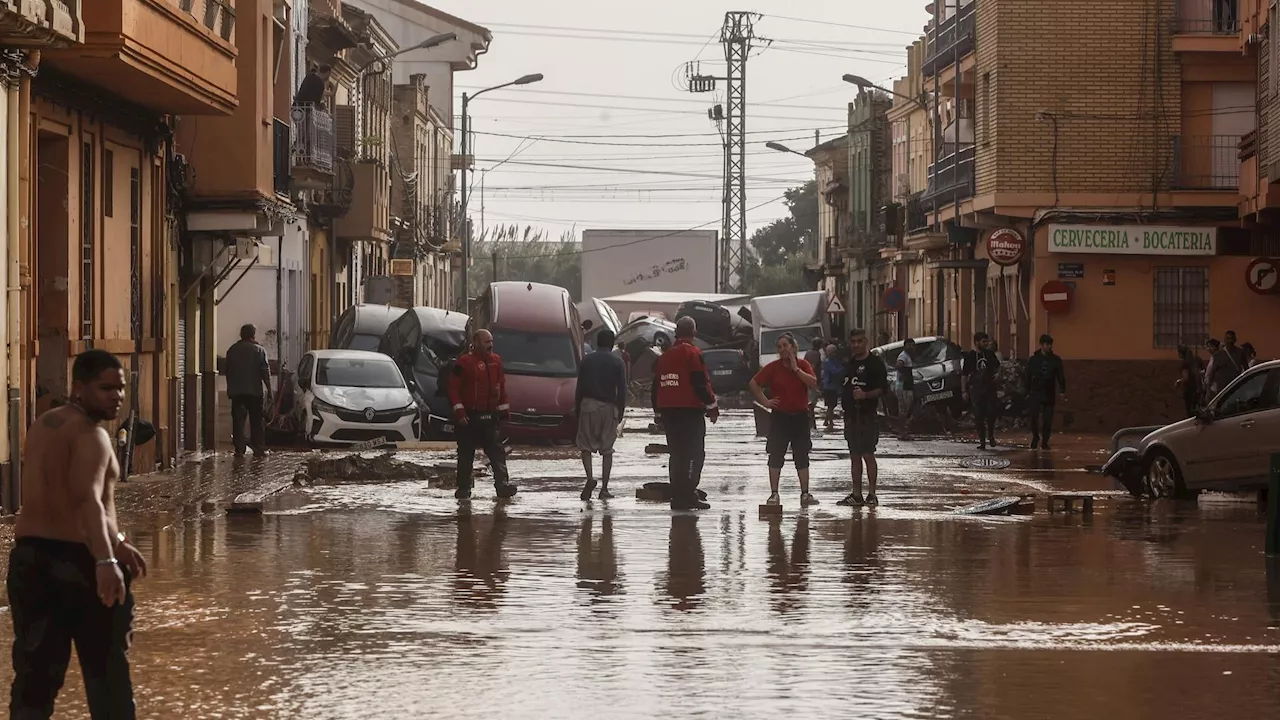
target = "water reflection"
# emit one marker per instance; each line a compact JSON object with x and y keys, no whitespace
{"x":598,"y":560}
{"x":686,"y":577}
{"x":861,"y":550}
{"x":788,"y":572}
{"x":481,"y":570}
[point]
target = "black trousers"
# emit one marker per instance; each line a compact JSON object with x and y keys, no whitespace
{"x":687,"y":448}
{"x":985,"y":410}
{"x":53,"y":597}
{"x":1041,"y":419}
{"x":788,"y":431}
{"x":1191,"y":400}
{"x":480,"y":433}
{"x":247,"y":407}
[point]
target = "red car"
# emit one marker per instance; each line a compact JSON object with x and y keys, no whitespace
{"x":538,"y":334}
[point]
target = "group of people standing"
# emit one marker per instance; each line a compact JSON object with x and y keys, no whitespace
{"x":1200,"y":382}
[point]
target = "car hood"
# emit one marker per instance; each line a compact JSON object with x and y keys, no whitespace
{"x":350,"y":398}
{"x":541,"y":395}
{"x":1166,"y":434}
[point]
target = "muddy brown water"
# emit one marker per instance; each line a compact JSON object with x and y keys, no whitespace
{"x":388,"y":601}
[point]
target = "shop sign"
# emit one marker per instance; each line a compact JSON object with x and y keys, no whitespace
{"x":1005,"y":246}
{"x":1070,"y":271}
{"x":1108,"y":277}
{"x":1162,"y":241}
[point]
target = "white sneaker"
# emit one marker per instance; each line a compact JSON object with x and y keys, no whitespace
{"x":773,"y":500}
{"x":807,"y":499}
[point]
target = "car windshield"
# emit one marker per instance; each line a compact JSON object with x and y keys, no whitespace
{"x":1248,"y":395}
{"x":433,"y":353}
{"x":531,"y":353}
{"x":358,"y":373}
{"x":804,"y":338}
{"x":365,"y":342}
{"x":927,"y":353}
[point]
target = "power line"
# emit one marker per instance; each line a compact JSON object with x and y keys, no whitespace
{"x":700,"y":103}
{"x":582,"y":139}
{"x":670,"y":111}
{"x":846,"y":25}
{"x":696,"y":39}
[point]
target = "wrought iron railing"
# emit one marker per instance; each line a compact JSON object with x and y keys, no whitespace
{"x":1207,"y":17}
{"x":1206,"y":162}
{"x":952,"y":41}
{"x":950,"y":179}
{"x":313,"y":142}
{"x":917,"y":219}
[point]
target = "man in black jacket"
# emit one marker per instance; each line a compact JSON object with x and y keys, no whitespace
{"x":978,"y":387}
{"x":248,"y":380}
{"x":1045,"y":379}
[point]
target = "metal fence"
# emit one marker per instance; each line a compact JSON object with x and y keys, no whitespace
{"x":1206,"y":162}
{"x":313,"y":141}
{"x":1207,"y":17}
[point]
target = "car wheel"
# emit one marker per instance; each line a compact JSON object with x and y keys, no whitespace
{"x":1163,"y":477}
{"x":661,"y":340}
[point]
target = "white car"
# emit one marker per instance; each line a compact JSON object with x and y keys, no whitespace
{"x":353,"y":396}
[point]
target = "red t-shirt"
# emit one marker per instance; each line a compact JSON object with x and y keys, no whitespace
{"x":785,"y":386}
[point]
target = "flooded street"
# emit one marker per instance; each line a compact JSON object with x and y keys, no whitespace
{"x":388,"y":601}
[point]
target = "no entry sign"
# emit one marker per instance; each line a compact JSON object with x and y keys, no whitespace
{"x":1263,"y":276}
{"x":1055,"y":295}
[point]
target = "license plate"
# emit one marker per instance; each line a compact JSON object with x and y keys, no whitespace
{"x":721,"y":372}
{"x":447,"y":428}
{"x":944,"y":395}
{"x":369,"y":444}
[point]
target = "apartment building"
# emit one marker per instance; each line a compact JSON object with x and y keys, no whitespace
{"x":870,"y":197}
{"x":420,"y":269}
{"x":825,"y":254}
{"x":1103,"y":170}
{"x":911,"y":131}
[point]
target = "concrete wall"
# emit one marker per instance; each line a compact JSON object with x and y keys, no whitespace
{"x":253,"y":300}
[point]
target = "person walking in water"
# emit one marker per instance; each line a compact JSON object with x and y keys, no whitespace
{"x":682,"y":401}
{"x":866,"y":379}
{"x":978,"y":386}
{"x":814,"y":356}
{"x":904,"y":366}
{"x":1189,"y":379}
{"x":71,"y":569}
{"x":790,"y":381}
{"x":832,"y":376}
{"x":1045,"y":379}
{"x":600,"y":401}
{"x":477,"y":388}
{"x":248,"y":374}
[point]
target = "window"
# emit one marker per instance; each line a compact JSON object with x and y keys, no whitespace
{"x":802,"y":335}
{"x":1253,"y":393}
{"x":108,"y":182}
{"x":86,"y":242}
{"x":533,"y":353}
{"x":1181,"y":306}
{"x":353,"y":373}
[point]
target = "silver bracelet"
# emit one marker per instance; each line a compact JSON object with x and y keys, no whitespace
{"x":108,"y":561}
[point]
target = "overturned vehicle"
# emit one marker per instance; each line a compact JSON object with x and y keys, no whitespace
{"x":422,"y":341}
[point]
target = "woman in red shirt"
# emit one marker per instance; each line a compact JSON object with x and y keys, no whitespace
{"x":789,"y":380}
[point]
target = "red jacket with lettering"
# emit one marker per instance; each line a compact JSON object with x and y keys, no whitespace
{"x":478,"y":384}
{"x":680,"y":379}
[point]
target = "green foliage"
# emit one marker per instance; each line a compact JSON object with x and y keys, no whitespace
{"x":778,"y":253}
{"x":526,"y":254}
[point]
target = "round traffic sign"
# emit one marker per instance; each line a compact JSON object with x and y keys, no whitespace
{"x":1005,"y":246}
{"x":1263,"y":276}
{"x":894,"y":299}
{"x":1055,"y":295}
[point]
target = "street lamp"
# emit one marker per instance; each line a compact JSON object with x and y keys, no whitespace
{"x":864,"y":83}
{"x":466,"y":129}
{"x":783,"y":148}
{"x":427,"y":44}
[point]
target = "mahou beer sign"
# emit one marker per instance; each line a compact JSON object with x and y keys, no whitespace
{"x":1005,"y":246}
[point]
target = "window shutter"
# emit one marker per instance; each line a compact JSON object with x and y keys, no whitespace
{"x":344,"y":129}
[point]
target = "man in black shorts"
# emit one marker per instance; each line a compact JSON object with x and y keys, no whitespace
{"x":866,"y":380}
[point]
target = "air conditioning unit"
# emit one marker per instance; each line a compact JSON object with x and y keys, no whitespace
{"x":902,"y":185}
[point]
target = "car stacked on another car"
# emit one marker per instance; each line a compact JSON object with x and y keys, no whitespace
{"x":936,"y":372}
{"x":353,"y":396}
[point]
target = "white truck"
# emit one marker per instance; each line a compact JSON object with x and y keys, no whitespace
{"x":803,"y":315}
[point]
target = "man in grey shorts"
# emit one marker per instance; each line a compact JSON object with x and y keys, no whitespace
{"x":600,"y":402}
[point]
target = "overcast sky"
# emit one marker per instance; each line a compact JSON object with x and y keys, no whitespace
{"x":617,"y":73}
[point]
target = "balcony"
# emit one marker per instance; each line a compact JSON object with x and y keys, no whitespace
{"x":1206,"y":162}
{"x":313,"y":146}
{"x":950,"y":178}
{"x":917,"y":220}
{"x":334,"y":199}
{"x":171,"y":56}
{"x":281,"y":149}
{"x":1207,"y":26}
{"x":40,"y":23}
{"x":369,"y":217}
{"x":952,"y":41}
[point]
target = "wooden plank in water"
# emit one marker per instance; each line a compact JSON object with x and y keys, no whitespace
{"x":251,"y":501}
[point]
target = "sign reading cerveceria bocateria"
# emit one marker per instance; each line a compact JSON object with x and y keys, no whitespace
{"x":1133,"y":239}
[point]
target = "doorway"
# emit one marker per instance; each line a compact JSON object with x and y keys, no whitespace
{"x":54,"y":278}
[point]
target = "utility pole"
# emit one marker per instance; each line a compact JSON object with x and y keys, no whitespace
{"x":736,"y":35}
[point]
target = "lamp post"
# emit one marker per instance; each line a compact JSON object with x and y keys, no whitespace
{"x":465,"y":231}
{"x":783,"y":148}
{"x":427,"y":44}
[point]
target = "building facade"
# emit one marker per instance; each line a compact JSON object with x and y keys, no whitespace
{"x":831,"y":170}
{"x":1120,"y":181}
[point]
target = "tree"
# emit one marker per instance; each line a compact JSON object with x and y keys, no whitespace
{"x":778,"y":250}
{"x":509,"y":252}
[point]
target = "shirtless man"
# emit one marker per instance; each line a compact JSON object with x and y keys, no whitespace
{"x":70,"y":569}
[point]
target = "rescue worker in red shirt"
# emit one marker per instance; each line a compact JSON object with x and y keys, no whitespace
{"x":477,"y":389}
{"x":682,"y":397}
{"x":789,"y":379}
